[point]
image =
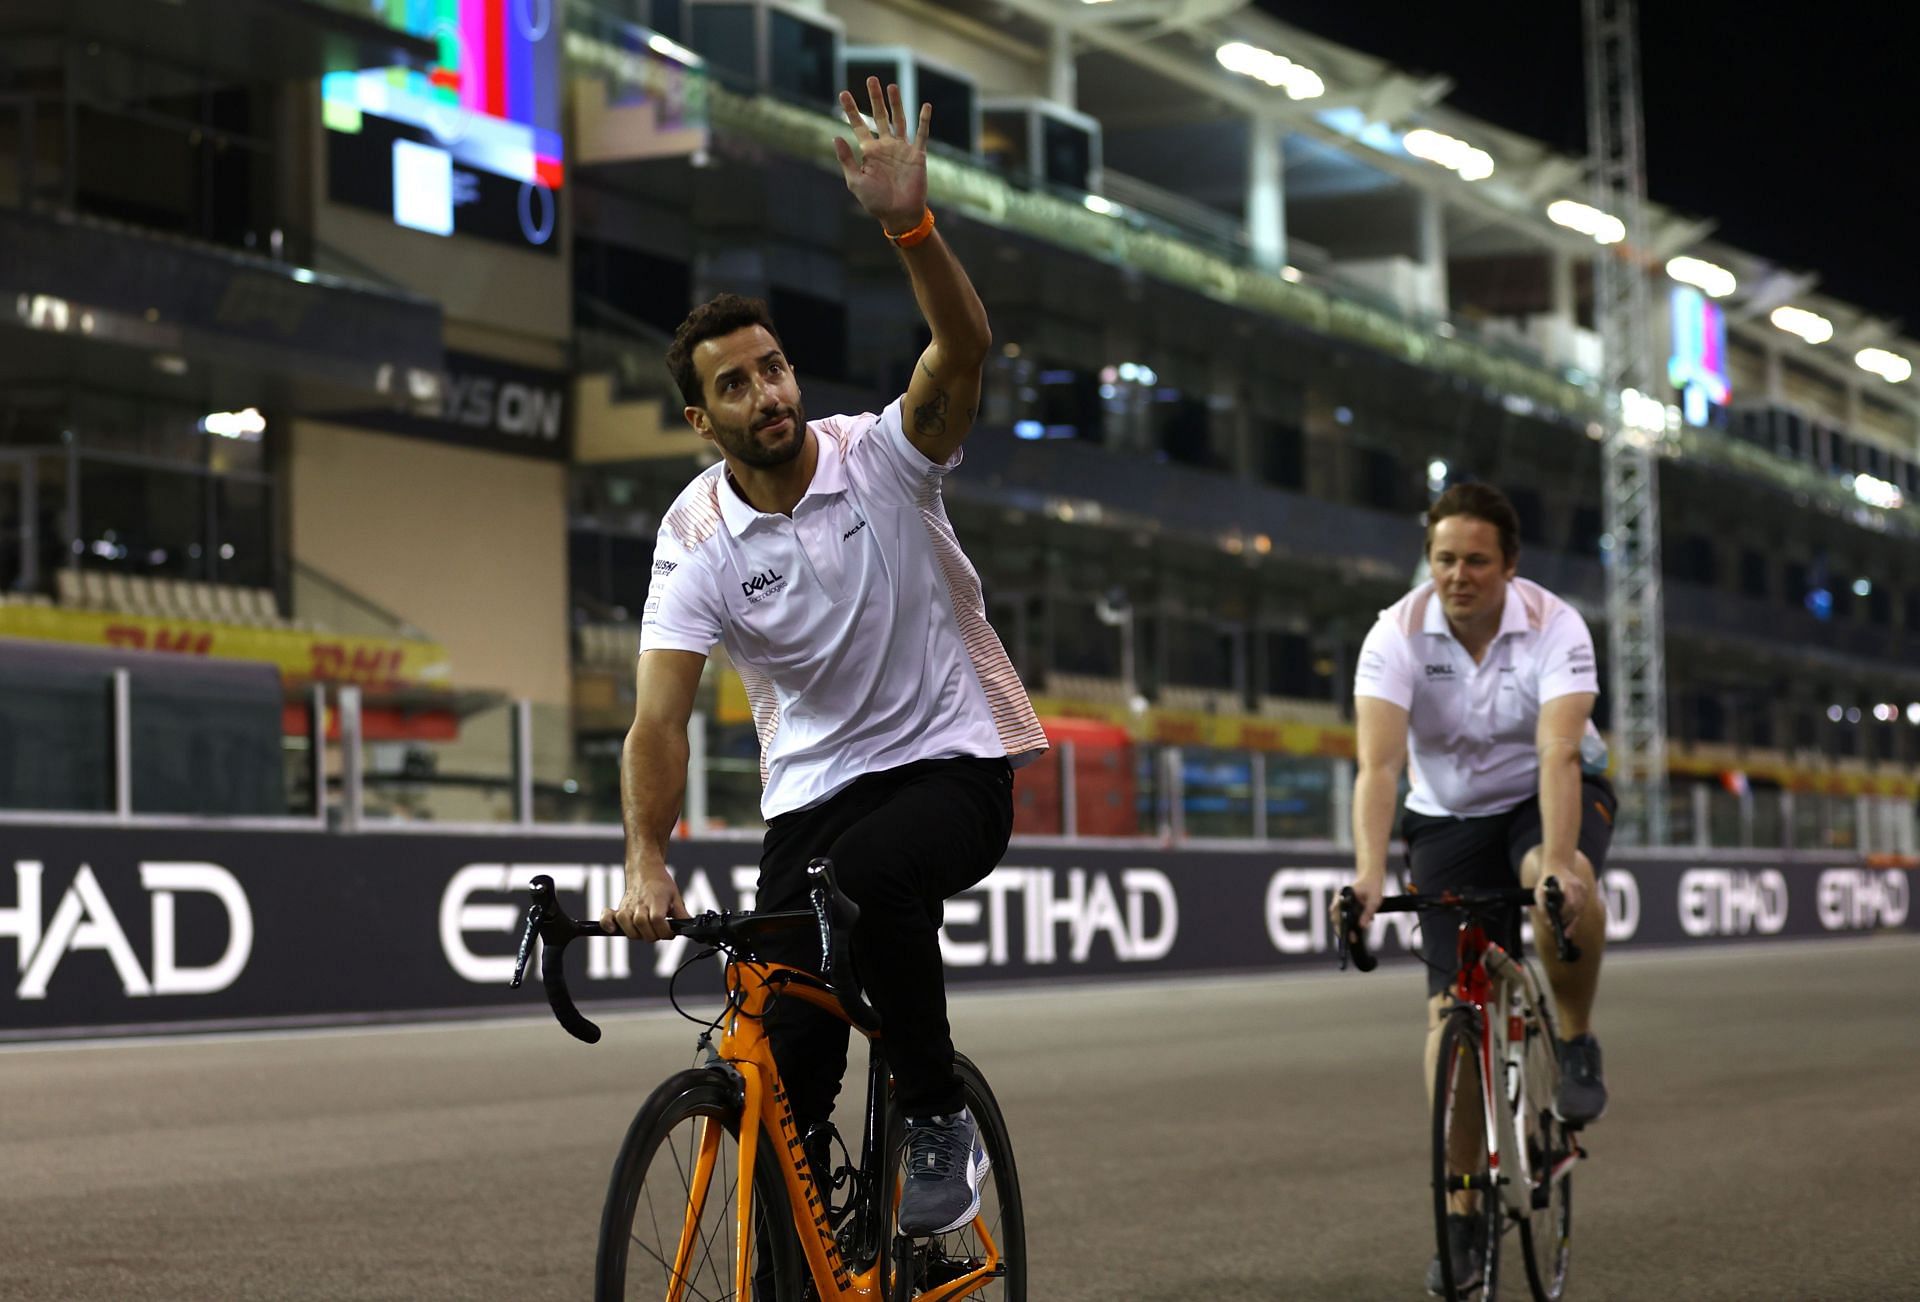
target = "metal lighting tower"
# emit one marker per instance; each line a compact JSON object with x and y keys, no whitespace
{"x":1636,"y":638}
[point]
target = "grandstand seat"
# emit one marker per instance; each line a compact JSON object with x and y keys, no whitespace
{"x":67,"y":584}
{"x":119,"y":592}
{"x":226,"y":605}
{"x":200,"y":600}
{"x":265,"y":609}
{"x":141,"y":599}
{"x":93,"y":590}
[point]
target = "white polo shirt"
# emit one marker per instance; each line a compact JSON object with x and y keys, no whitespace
{"x":1470,"y":728}
{"x":857,"y":625}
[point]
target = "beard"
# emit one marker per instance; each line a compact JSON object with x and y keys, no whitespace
{"x":747,"y":447}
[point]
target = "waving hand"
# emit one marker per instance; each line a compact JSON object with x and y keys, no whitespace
{"x":887,"y":173}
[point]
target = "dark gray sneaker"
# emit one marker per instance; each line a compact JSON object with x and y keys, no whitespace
{"x":1582,"y":1097}
{"x":946,"y":1165}
{"x":1463,"y":1245}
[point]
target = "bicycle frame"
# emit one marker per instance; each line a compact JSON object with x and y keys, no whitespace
{"x":752,"y":988}
{"x":1503,"y":993}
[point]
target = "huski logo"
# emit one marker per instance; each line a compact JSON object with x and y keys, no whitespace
{"x":83,"y":919}
{"x":763,"y":585}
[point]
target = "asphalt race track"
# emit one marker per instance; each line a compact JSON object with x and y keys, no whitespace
{"x":1254,"y":1138}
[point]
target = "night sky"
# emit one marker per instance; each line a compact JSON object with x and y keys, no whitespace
{"x":1794,"y":126}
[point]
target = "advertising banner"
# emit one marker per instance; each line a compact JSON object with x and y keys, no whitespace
{"x":374,"y":662}
{"x":136,"y":927}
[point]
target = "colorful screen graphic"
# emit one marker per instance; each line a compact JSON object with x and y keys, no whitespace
{"x":1697,"y":364}
{"x":471,"y":145}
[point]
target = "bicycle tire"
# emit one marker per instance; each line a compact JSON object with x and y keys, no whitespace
{"x":681,"y":1099}
{"x":1546,"y":1233}
{"x":1458,"y":1075}
{"x":932,"y":1260}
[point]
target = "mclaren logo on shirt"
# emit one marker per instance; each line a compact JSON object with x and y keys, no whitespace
{"x":763,"y":585}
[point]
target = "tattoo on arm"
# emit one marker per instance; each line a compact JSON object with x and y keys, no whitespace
{"x":930,"y":417}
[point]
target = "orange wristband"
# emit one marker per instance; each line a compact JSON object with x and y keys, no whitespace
{"x":907,"y":239}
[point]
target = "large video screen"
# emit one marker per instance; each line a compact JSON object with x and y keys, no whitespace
{"x":470,"y":146}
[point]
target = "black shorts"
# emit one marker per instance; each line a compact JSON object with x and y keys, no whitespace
{"x":1465,"y":854}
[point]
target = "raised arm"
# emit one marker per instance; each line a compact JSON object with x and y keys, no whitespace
{"x":888,"y":175}
{"x":653,"y":781}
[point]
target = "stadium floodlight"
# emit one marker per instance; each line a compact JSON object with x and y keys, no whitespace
{"x":1710,"y":278}
{"x":1298,"y":80}
{"x":1600,"y":227}
{"x":1450,"y":152}
{"x":1913,"y":713}
{"x":1891,"y":367}
{"x":1863,"y":587}
{"x":247,"y":425}
{"x":1810,"y":326}
{"x":1875,"y":491}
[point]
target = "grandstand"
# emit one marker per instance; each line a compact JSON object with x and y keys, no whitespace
{"x":269,"y":392}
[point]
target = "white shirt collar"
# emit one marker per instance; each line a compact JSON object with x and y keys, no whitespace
{"x":829,"y":476}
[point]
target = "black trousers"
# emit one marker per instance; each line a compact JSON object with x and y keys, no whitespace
{"x":1469,"y":854}
{"x":902,"y":841}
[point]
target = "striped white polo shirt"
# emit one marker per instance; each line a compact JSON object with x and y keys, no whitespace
{"x":857,"y":624}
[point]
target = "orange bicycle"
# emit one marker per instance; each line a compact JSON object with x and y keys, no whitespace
{"x":715,"y":1195}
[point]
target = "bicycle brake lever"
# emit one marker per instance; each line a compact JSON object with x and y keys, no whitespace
{"x":1353,"y":941}
{"x":1556,"y":899}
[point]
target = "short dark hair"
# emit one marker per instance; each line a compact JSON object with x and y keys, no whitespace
{"x":1482,"y":502}
{"x":720,"y":315}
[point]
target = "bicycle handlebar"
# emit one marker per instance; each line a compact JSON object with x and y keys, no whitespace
{"x":1351,"y":942}
{"x":832,"y":913}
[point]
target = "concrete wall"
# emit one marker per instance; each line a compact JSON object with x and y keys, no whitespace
{"x":468,"y":546}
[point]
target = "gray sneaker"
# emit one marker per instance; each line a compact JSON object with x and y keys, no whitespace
{"x":1463,"y":1245}
{"x":946,"y":1165}
{"x":1582,"y":1096}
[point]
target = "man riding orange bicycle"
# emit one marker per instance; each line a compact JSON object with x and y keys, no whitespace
{"x":889,"y":717}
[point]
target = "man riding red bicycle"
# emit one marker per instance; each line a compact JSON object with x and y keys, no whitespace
{"x":1486,"y":682}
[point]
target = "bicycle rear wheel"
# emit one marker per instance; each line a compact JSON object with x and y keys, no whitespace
{"x":685,"y":1139}
{"x":1000,"y":1229}
{"x":1460,"y":1182}
{"x":1546,"y":1235}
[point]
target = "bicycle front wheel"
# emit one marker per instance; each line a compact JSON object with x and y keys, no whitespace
{"x":998,"y":1234}
{"x":669,"y":1229}
{"x":1463,"y":1182}
{"x":1546,"y":1235}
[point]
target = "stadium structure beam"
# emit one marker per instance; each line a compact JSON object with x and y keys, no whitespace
{"x":1299,"y":117}
{"x":1635,"y":430}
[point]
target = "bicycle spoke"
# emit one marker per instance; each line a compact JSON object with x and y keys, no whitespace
{"x":667,"y":1267}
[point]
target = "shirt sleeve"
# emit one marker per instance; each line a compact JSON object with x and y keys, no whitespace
{"x":1567,"y":665}
{"x":1384,"y":669}
{"x":884,"y":461}
{"x":683,"y":606}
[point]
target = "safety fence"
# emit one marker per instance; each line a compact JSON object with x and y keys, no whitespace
{"x":129,"y":929}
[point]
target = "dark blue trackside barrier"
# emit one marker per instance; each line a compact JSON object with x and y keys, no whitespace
{"x":125,"y":929}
